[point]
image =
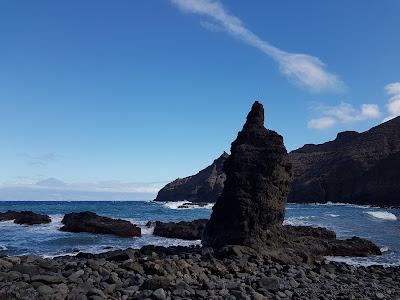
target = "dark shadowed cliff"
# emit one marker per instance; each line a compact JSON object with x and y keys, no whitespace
{"x":205,"y":186}
{"x":361,"y":168}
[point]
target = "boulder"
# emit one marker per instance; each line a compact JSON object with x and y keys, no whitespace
{"x":24,"y":217}
{"x":93,"y":223}
{"x":192,"y":230}
{"x":252,"y":204}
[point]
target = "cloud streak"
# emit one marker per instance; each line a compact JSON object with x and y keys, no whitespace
{"x":393,"y":105}
{"x":303,"y":69}
{"x":343,"y":113}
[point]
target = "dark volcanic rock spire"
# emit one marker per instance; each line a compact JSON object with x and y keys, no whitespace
{"x":252,"y":204}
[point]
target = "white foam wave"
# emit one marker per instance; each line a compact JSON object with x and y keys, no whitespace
{"x":332,"y":215}
{"x":3,"y":248}
{"x":342,"y":204}
{"x":298,"y":221}
{"x":51,"y":227}
{"x":187,"y":205}
{"x":355,"y":261}
{"x":147,"y":230}
{"x":384,"y":215}
{"x":384,"y":249}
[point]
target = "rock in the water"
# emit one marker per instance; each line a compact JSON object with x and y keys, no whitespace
{"x":205,"y":186}
{"x":304,"y":243}
{"x":258,"y":174}
{"x":24,"y":217}
{"x":93,"y":223}
{"x":182,"y":230}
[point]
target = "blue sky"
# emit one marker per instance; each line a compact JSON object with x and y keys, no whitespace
{"x":122,"y":94}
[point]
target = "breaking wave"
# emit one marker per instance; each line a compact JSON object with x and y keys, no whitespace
{"x":332,"y":215}
{"x":187,"y":205}
{"x":342,"y":204}
{"x":384,"y":215}
{"x":298,"y":221}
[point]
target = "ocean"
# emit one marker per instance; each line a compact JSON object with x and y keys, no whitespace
{"x":382,"y":226}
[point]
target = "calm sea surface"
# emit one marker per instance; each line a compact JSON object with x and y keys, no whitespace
{"x":379,"y":225}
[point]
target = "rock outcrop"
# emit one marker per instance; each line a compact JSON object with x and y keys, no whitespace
{"x":251,"y":208}
{"x":360,"y":168}
{"x":24,"y":217}
{"x":205,"y":186}
{"x":305,"y":244}
{"x":181,"y":230}
{"x":93,"y":223}
{"x":252,"y":203}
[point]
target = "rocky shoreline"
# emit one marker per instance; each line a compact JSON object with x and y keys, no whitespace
{"x":233,"y":272}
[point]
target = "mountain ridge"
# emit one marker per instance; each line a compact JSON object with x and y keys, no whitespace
{"x":359,"y":168}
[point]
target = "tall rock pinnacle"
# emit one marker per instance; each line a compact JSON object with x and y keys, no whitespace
{"x":252,"y":204}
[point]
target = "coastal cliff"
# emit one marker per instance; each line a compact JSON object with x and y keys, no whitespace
{"x":360,"y":168}
{"x":205,"y":186}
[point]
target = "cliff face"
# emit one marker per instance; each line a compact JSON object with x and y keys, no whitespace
{"x":205,"y":186}
{"x":361,"y":168}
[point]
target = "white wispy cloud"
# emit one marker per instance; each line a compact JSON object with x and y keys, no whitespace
{"x":342,"y":113}
{"x":321,"y":123}
{"x":303,"y":69}
{"x":393,"y":105}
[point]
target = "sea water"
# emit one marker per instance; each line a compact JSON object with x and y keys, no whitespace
{"x":382,"y":226}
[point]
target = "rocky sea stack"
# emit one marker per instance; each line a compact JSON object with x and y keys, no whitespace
{"x":252,"y":204}
{"x":249,"y":213}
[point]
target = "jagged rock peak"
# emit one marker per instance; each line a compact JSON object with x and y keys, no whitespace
{"x":256,"y":115}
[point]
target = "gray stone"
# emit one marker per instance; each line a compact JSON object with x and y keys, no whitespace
{"x":294,"y":284}
{"x":380,"y":296}
{"x":159,"y":294}
{"x":76,"y":275}
{"x":269,"y":283}
{"x":45,"y":290}
{"x":47,"y":279}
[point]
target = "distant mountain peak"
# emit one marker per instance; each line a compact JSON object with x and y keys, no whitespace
{"x":51,"y":182}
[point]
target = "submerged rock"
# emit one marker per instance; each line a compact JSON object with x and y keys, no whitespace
{"x":24,"y":217}
{"x":192,"y":230}
{"x":93,"y":223}
{"x":252,"y":204}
